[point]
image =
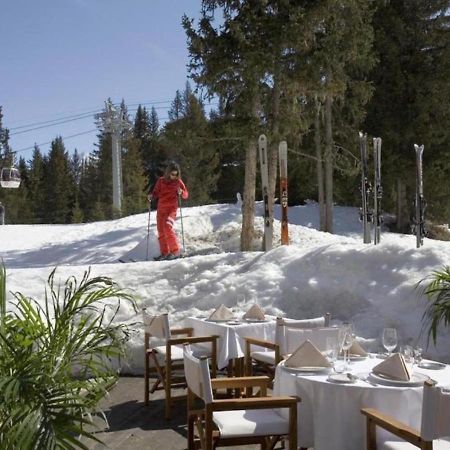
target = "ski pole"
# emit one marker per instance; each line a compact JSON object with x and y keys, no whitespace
{"x":181,"y":218}
{"x":148,"y":226}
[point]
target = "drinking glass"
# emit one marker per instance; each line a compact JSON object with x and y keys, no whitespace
{"x":417,"y":354}
{"x":332,"y":350}
{"x":346,"y":344}
{"x":389,"y":339}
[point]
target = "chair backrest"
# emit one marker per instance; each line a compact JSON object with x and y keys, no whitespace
{"x":156,"y":325}
{"x":197,"y":375}
{"x":318,"y":336}
{"x":435,"y":412}
{"x":283,"y":324}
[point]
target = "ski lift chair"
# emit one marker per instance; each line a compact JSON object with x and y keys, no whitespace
{"x":235,"y":421}
{"x":276,"y":351}
{"x":163,"y":348}
{"x":435,"y":424}
{"x":10,"y":178}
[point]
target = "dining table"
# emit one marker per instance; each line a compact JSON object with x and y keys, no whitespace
{"x":329,"y":415}
{"x":231,"y":343}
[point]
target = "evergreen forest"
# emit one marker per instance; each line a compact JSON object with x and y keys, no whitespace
{"x":312,"y":73}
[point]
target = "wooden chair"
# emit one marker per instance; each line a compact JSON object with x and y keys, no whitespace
{"x":277,"y":350}
{"x":167,"y":355}
{"x":235,"y":421}
{"x":435,"y":424}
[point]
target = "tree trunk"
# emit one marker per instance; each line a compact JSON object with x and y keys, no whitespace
{"x":320,"y":180}
{"x":328,"y":165}
{"x":273,"y":145}
{"x":248,"y":206}
{"x":402,"y":210}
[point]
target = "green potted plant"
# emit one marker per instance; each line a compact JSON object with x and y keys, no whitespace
{"x":436,"y":287}
{"x":57,"y":361}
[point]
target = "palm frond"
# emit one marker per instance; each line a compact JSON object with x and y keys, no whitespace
{"x":47,"y":353}
{"x":436,"y":287}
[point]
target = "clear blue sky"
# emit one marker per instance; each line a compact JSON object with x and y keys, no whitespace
{"x":65,"y":57}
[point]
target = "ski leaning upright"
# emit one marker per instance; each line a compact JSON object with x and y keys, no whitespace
{"x":365,"y":213}
{"x":419,"y":221}
{"x":282,"y":154}
{"x":378,"y":190}
{"x":268,"y":222}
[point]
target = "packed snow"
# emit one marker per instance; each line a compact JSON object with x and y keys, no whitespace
{"x":372,"y":286}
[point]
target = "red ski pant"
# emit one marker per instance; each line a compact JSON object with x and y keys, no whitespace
{"x":168,"y":242}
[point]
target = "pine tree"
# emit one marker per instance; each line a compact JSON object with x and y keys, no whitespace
{"x":36,"y":193}
{"x":134,"y":180}
{"x":88,"y":193}
{"x":187,"y":140}
{"x":176,"y":110}
{"x":59,"y":185}
{"x":77,"y":213}
{"x":146,"y":130}
{"x":411,"y":79}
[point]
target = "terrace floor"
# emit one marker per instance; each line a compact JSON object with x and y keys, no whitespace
{"x":133,"y":426}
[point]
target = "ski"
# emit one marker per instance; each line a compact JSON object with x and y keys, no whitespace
{"x":268,"y":222}
{"x":420,"y":200}
{"x":378,"y":191}
{"x":365,"y":213}
{"x":282,"y":154}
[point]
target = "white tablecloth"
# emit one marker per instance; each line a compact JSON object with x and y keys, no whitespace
{"x":231,"y":343}
{"x":329,"y":415}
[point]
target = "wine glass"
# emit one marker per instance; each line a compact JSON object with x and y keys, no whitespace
{"x":389,"y":339}
{"x":346,"y":344}
{"x":332,"y":348}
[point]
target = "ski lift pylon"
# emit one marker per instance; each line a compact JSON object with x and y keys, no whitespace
{"x":9,"y":178}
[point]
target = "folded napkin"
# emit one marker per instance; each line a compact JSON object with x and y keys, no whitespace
{"x":255,"y":312}
{"x":355,"y":350}
{"x":307,"y":355}
{"x":222,"y":313}
{"x":393,"y":367}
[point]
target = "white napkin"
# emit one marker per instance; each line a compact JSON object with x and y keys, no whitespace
{"x":222,"y":313}
{"x":255,"y":312}
{"x":356,"y":350}
{"x":307,"y":355}
{"x":393,"y":367}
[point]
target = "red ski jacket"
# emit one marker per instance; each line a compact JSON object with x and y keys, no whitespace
{"x":166,"y":191}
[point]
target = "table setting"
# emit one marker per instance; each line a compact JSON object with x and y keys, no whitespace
{"x":335,"y":382}
{"x":231,"y":329}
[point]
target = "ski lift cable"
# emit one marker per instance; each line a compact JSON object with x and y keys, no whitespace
{"x":50,"y":125}
{"x":80,"y":113}
{"x":84,"y":115}
{"x":49,"y":142}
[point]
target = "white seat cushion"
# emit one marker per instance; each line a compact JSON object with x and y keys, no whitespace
{"x":265,"y":357}
{"x":251,"y":422}
{"x":177,"y":352}
{"x":438,"y":444}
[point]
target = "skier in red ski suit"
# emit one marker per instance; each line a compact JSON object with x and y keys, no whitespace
{"x":166,"y":191}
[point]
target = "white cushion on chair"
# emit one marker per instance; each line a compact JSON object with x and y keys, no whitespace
{"x":177,"y":352}
{"x":251,"y":422}
{"x":265,"y":357}
{"x":438,"y":444}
